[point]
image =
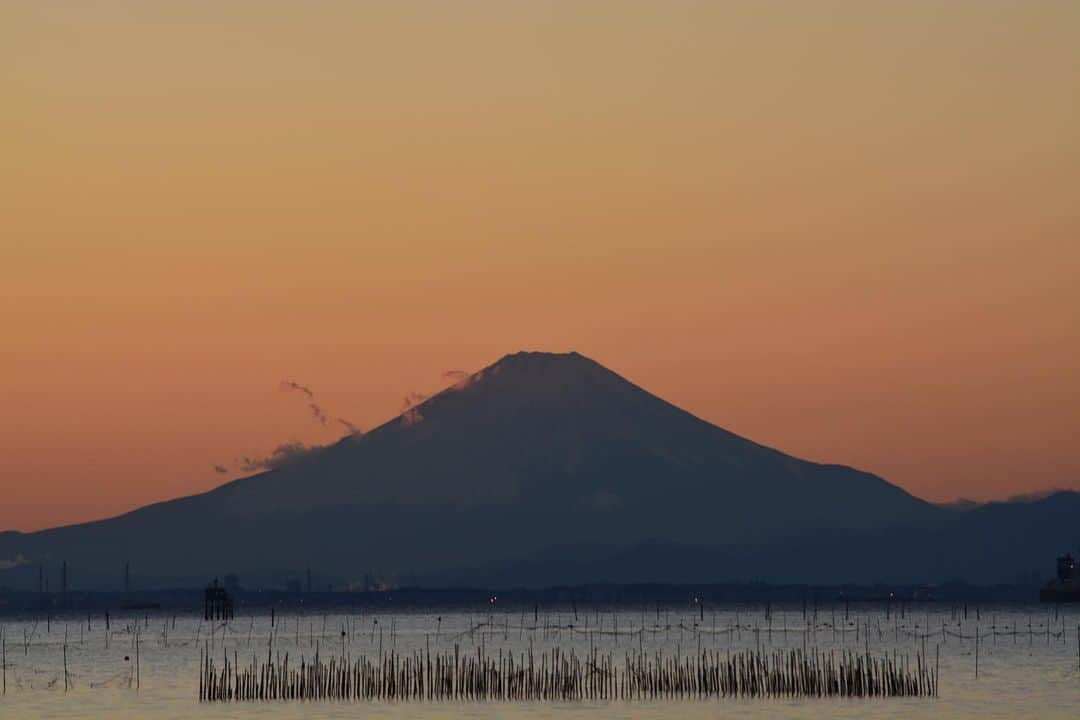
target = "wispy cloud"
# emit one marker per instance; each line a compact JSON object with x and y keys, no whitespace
{"x":410,"y":413}
{"x":459,"y":379}
{"x":462,"y":379}
{"x":353,"y":429}
{"x":289,"y":385}
{"x":283,"y":454}
{"x":286,"y":453}
{"x":318,"y":414}
{"x":313,"y":407}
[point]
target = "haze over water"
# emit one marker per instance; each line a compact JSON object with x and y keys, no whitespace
{"x":1022,"y":673}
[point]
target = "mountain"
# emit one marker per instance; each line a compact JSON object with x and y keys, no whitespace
{"x":546,"y":468}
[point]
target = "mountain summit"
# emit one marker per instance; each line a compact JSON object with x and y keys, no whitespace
{"x":540,"y":468}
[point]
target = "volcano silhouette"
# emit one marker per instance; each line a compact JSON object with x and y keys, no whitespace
{"x":548,"y":468}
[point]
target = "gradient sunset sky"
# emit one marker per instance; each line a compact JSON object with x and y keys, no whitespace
{"x":847,"y":230}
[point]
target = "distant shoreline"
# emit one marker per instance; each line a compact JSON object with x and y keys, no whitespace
{"x":607,"y":596}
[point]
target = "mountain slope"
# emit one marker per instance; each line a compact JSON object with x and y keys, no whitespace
{"x":559,"y":431}
{"x":538,"y":451}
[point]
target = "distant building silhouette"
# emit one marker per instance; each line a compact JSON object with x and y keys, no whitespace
{"x":1066,"y":586}
{"x":217,"y":605}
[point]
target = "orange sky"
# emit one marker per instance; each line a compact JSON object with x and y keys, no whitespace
{"x":848,"y":230}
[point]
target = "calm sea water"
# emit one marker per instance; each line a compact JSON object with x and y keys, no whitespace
{"x":1029,"y":662}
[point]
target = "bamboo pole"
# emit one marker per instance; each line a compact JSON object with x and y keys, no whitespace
{"x":567,"y":677}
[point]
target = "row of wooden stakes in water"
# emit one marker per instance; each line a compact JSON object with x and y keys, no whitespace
{"x":566,"y":677}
